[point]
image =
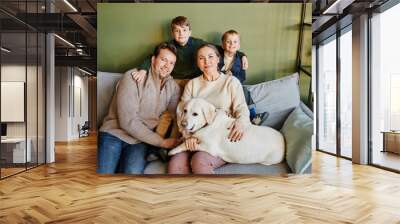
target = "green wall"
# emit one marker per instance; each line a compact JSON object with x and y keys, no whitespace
{"x":127,"y":33}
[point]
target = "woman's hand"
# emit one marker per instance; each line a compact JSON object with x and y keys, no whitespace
{"x":237,"y":131}
{"x":192,"y":143}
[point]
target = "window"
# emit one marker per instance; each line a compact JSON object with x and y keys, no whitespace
{"x":346,"y":93}
{"x":22,"y":65}
{"x":385,"y":87}
{"x":327,"y":96}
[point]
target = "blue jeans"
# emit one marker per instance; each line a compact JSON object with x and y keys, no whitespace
{"x":115,"y":155}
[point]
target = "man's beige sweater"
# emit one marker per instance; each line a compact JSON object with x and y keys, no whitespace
{"x":136,"y":107}
{"x":225,"y":93}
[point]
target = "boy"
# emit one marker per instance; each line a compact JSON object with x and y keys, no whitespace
{"x":231,"y":62}
{"x":185,"y":67}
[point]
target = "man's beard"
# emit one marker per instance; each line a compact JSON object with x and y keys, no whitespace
{"x":162,"y":75}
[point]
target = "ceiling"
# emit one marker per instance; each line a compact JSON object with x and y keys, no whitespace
{"x":76,"y":22}
{"x":332,"y":15}
{"x":72,"y":20}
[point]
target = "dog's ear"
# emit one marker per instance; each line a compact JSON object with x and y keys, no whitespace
{"x":179,"y":109}
{"x":209,"y":112}
{"x":179,"y":112}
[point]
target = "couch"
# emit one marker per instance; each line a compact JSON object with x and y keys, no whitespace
{"x":277,"y":104}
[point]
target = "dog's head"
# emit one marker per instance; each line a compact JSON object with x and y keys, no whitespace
{"x":195,"y":114}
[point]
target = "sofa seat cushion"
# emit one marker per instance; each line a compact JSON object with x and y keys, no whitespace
{"x":159,"y":167}
{"x":232,"y":168}
{"x":156,"y":167}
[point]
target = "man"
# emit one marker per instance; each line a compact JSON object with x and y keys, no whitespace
{"x":127,"y":133}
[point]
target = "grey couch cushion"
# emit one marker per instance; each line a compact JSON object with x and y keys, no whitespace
{"x":277,"y":97}
{"x":106,"y":82}
{"x":156,"y":167}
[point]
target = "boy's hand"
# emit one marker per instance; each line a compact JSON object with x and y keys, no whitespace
{"x":139,"y":76}
{"x":245,"y":63}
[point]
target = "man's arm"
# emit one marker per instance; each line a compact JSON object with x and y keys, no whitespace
{"x":128,"y":112}
{"x":239,"y":106}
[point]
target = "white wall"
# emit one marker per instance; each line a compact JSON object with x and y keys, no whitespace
{"x":14,"y":73}
{"x":70,"y":83}
{"x":62,"y":81}
{"x":80,"y":105}
{"x":33,"y":127}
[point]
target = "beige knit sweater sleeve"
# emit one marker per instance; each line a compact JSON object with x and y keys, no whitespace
{"x":240,"y":110}
{"x":128,"y":106}
{"x":188,"y":91}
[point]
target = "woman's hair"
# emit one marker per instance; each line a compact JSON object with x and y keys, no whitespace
{"x":210,"y":46}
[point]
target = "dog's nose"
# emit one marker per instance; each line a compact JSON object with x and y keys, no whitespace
{"x":184,"y":124}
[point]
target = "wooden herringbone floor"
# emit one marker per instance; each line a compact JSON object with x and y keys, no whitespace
{"x":70,"y":191}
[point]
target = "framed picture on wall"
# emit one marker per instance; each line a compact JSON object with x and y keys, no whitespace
{"x":12,"y":101}
{"x":195,"y":88}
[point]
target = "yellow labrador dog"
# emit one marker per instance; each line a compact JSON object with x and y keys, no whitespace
{"x":259,"y":144}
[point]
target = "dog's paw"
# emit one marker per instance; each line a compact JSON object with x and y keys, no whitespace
{"x":173,"y":152}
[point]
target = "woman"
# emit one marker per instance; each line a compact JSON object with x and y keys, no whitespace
{"x":224,"y":92}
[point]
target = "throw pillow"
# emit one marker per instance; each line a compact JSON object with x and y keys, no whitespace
{"x":278,"y":98}
{"x":298,"y":130}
